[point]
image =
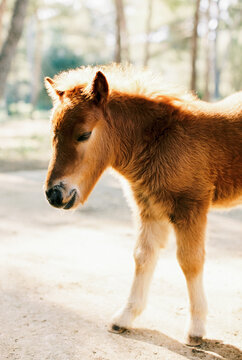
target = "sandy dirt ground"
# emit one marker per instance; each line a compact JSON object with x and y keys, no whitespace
{"x":64,"y":274}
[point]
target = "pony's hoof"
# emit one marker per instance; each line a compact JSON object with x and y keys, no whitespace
{"x":116,"y":329}
{"x":194,"y":340}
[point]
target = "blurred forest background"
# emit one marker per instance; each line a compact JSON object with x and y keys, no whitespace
{"x":196,"y":44}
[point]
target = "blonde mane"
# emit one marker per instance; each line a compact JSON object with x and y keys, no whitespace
{"x":122,"y":78}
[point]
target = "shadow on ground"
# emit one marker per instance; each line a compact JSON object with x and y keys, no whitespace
{"x":209,"y":350}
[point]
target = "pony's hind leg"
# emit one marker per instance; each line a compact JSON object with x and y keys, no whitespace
{"x":152,"y":237}
{"x":190,"y":253}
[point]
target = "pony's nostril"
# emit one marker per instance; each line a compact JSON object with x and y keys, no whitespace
{"x":54,"y":196}
{"x":57,"y":197}
{"x":48,"y":193}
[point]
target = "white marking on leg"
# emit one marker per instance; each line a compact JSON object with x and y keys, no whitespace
{"x":153,"y":236}
{"x":198,"y":306}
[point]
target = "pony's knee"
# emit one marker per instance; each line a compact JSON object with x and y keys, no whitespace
{"x":153,"y":236}
{"x":145,"y":257}
{"x":141,"y":257}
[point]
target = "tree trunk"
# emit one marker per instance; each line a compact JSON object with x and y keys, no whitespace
{"x":122,"y":43}
{"x":2,"y":11}
{"x":10,"y":45}
{"x":37,"y":63}
{"x":208,"y":57}
{"x":34,"y":54}
{"x":217,"y":69}
{"x":193,"y":85}
{"x":148,"y":29}
{"x":117,"y":56}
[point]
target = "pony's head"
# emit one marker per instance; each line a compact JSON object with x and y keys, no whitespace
{"x":80,"y":150}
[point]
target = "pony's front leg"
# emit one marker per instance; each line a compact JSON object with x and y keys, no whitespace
{"x":190,"y":253}
{"x":153,"y":236}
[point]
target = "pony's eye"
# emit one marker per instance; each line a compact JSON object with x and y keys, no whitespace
{"x":83,"y":137}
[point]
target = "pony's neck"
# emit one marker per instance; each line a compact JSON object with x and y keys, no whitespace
{"x":134,"y":120}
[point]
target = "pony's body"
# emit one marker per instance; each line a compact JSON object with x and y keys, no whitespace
{"x":180,"y":156}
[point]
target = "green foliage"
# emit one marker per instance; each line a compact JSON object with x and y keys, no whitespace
{"x":235,"y":58}
{"x":59,"y":58}
{"x":17,"y":92}
{"x":55,"y":60}
{"x":74,"y":33}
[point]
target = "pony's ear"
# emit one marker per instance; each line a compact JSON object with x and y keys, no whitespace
{"x":52,"y":91}
{"x":100,"y":89}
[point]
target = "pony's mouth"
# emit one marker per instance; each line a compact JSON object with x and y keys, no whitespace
{"x":71,"y":201}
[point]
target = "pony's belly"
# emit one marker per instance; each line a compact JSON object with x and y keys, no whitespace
{"x":227,"y":202}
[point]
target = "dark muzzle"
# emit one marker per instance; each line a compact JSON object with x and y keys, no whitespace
{"x":54,"y":196}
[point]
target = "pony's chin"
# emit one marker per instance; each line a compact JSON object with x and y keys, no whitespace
{"x":72,"y":203}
